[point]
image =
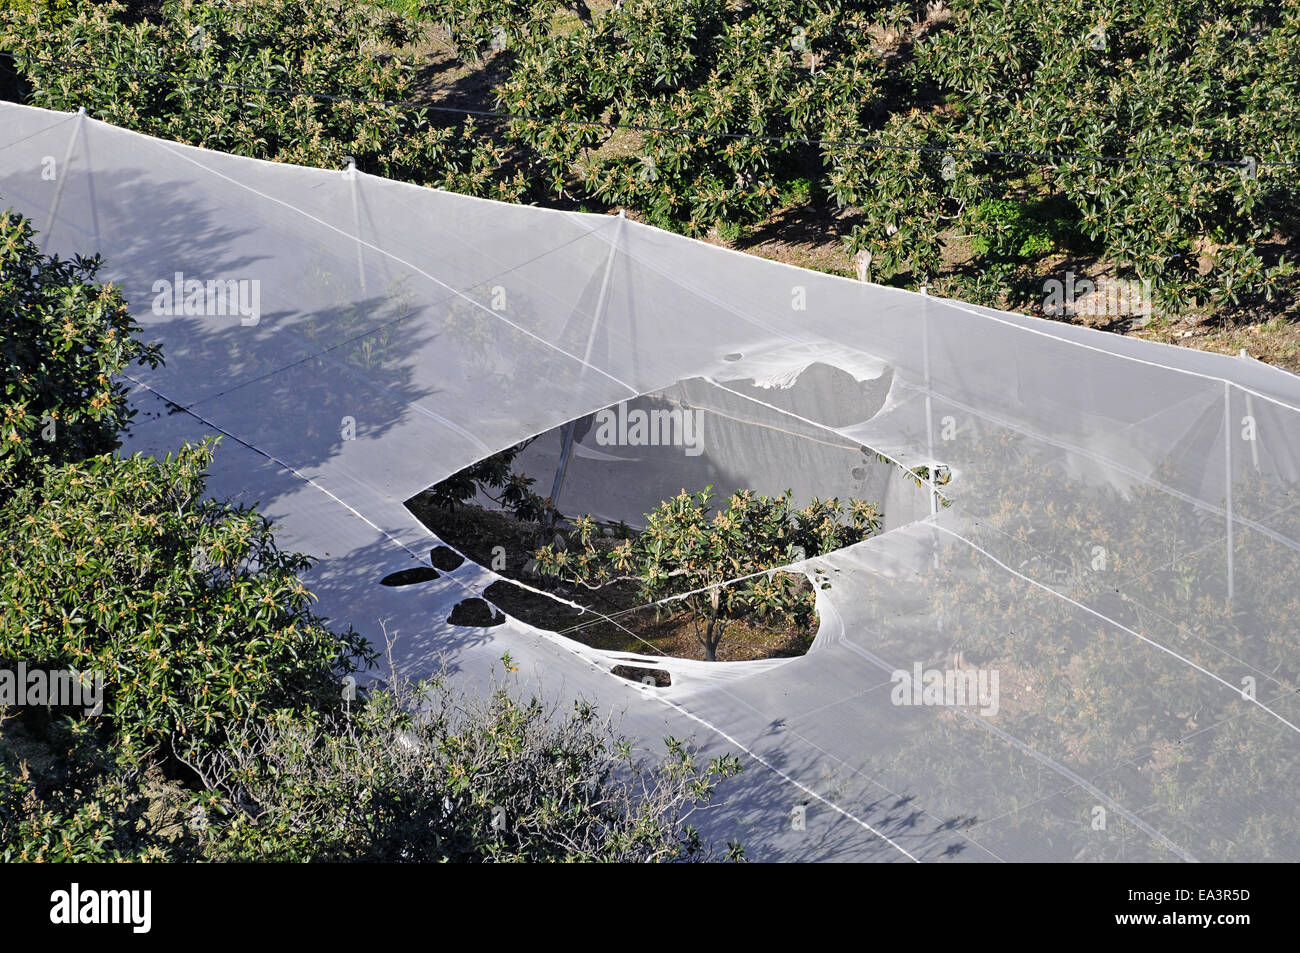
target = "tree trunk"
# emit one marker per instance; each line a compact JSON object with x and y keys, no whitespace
{"x":710,"y":642}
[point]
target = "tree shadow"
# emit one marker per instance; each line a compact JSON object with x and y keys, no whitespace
{"x":307,"y":388}
{"x":413,"y":619}
{"x":776,"y":821}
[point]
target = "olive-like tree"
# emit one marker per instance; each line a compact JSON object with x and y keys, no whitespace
{"x":717,"y":562}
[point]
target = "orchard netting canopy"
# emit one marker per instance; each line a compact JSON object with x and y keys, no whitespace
{"x":1111,"y":546}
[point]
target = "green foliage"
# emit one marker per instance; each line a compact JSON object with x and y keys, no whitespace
{"x":690,"y":550}
{"x":496,"y":473}
{"x":1205,"y":81}
{"x":77,"y":806}
{"x":330,"y":47}
{"x":63,"y":826}
{"x":195,"y":617}
{"x":406,"y":8}
{"x":906,"y":100}
{"x":433,"y":776}
{"x":49,"y":10}
{"x":929,"y":90}
{"x":899,"y":191}
{"x":1011,"y":230}
{"x":63,"y":338}
{"x":796,"y":192}
{"x":409,"y":774}
{"x":730,"y":231}
{"x":678,"y":65}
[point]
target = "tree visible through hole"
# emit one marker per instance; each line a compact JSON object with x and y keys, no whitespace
{"x":636,"y":564}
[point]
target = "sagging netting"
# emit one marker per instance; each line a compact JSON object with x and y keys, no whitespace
{"x":1116,"y":538}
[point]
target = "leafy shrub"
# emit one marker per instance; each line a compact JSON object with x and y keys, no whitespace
{"x":195,"y":617}
{"x":662,"y":66}
{"x":1206,"y":82}
{"x":144,"y":80}
{"x":797,"y":192}
{"x":913,"y":103}
{"x":412,"y":773}
{"x":1007,"y":229}
{"x":63,"y":338}
{"x":431,"y":775}
{"x":77,"y":807}
{"x":899,"y":191}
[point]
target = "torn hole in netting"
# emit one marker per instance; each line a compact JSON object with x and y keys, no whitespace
{"x":552,"y":515}
{"x":475,"y":613}
{"x":445,"y":558}
{"x":654,"y":677}
{"x":407,"y":577}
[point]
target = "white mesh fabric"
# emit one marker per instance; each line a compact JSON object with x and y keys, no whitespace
{"x":1121,"y":541}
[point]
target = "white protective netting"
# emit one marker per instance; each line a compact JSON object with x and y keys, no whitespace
{"x":1119,"y":540}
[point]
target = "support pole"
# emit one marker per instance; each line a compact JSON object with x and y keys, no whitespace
{"x":1227,"y":475}
{"x":1250,"y":412}
{"x":62,"y":175}
{"x":929,"y":406}
{"x":351,"y":172}
{"x":566,"y":443}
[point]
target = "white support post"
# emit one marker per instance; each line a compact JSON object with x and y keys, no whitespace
{"x":1250,"y":412}
{"x":351,"y":172}
{"x":1227,"y":477}
{"x":929,"y":406}
{"x":566,"y":443}
{"x":62,"y":174}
